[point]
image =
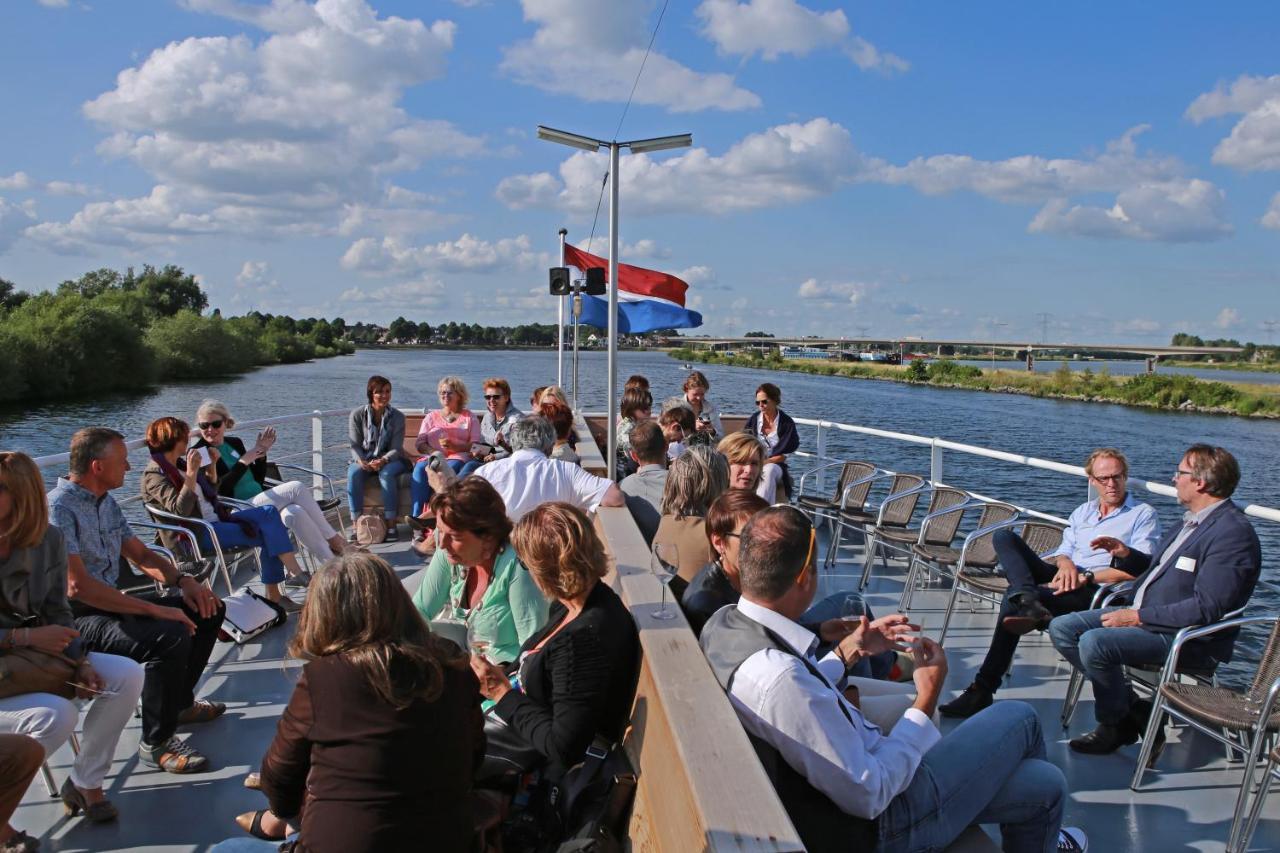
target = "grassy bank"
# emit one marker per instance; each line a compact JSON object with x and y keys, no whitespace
{"x":1155,"y":391}
{"x":1242,"y":366}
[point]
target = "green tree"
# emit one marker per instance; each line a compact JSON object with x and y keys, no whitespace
{"x":167,"y":291}
{"x":10,"y":296}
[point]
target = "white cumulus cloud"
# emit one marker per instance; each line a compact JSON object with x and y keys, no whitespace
{"x":846,"y":292}
{"x":1254,"y":141}
{"x":466,"y":254}
{"x":424,"y":293}
{"x":14,"y":218}
{"x":1178,"y":211}
{"x":16,"y":181}
{"x":285,"y":134}
{"x":592,"y":50}
{"x":1228,"y":318}
{"x":772,"y":28}
{"x":1271,"y":219}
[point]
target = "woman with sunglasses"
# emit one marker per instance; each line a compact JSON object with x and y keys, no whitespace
{"x":242,"y":474}
{"x":498,"y":417}
{"x":777,"y":431}
{"x":451,"y":430}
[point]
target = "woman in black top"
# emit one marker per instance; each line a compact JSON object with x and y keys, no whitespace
{"x":576,"y":676}
{"x":776,"y":430}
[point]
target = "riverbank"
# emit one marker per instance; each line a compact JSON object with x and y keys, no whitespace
{"x":1151,"y":391}
{"x":1241,"y":366}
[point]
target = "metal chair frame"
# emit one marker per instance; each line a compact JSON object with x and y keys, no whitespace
{"x":931,"y":517}
{"x":874,"y":544}
{"x":1259,"y":736}
{"x":329,"y":485}
{"x":822,"y":514}
{"x":1272,"y":770}
{"x":958,"y":585}
{"x":837,"y":536}
{"x":220,"y":554}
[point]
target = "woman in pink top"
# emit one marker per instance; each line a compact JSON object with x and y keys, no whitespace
{"x":452,"y":430}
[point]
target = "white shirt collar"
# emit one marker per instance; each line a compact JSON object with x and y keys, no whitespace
{"x":799,"y":638}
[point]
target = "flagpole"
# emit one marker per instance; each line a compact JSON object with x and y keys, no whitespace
{"x":560,"y":323}
{"x":612,"y":433}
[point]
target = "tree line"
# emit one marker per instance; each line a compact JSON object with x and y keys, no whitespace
{"x":111,"y":331}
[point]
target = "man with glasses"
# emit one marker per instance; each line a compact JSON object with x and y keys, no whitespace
{"x":1066,"y":580}
{"x":1199,"y":571}
{"x":845,"y":784}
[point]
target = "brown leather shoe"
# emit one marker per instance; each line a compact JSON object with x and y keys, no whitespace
{"x":173,"y":756}
{"x":201,"y":711}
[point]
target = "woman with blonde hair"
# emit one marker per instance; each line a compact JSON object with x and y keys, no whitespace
{"x":576,"y":676}
{"x":383,"y":733}
{"x":242,"y":474}
{"x":451,"y":431}
{"x":36,"y":624}
{"x":747,"y":468}
{"x":694,"y":480}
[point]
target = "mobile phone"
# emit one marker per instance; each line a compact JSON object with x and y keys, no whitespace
{"x":205,"y":458}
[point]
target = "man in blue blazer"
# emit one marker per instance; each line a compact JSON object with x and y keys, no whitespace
{"x":1199,"y":571}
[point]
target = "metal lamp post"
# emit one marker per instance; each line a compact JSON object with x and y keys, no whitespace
{"x":636,"y":146}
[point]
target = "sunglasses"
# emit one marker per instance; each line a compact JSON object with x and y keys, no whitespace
{"x":808,"y":558}
{"x":1111,"y":478}
{"x":210,"y":424}
{"x":494,"y":396}
{"x":446,"y":393}
{"x":762,"y":402}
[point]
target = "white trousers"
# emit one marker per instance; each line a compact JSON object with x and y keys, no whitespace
{"x":301,"y":514}
{"x":770,"y":477}
{"x":884,"y":702}
{"x":51,"y":719}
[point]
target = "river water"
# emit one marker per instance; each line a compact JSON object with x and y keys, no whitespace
{"x":1052,"y":429}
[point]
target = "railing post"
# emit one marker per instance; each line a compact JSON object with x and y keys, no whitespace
{"x":822,"y":457}
{"x":935,"y":462}
{"x":317,"y":452}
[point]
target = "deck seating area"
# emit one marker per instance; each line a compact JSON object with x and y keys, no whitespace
{"x":700,"y":786}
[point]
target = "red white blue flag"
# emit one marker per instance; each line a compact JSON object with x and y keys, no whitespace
{"x":647,"y":299}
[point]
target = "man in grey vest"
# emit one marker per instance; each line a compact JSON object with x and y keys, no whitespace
{"x":845,"y":784}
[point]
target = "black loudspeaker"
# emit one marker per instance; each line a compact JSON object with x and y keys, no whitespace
{"x":595,"y":282}
{"x":559,"y":281}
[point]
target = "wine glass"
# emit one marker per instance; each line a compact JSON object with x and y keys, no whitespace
{"x":478,"y":645}
{"x":664,"y":562}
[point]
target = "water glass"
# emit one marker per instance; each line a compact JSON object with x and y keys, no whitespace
{"x":478,"y":645}
{"x":854,"y":608}
{"x":664,"y":562}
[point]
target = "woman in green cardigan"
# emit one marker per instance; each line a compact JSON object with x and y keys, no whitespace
{"x":474,"y":577}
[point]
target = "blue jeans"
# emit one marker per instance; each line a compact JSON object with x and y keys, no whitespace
{"x":991,"y":769}
{"x":1102,"y":654}
{"x":388,"y":478}
{"x":836,"y":606}
{"x":421,"y":489}
{"x":272,"y":539}
{"x":247,"y":845}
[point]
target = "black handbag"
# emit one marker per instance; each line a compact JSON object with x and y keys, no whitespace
{"x":507,"y":753}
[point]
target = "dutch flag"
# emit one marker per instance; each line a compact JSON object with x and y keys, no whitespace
{"x":647,"y":299}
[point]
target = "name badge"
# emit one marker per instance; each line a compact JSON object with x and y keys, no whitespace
{"x":1187,"y":564}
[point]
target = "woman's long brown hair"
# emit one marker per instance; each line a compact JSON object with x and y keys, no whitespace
{"x":357,"y":607}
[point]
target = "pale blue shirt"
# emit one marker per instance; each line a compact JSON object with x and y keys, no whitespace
{"x":779,"y":701}
{"x":93,"y":527}
{"x":1133,"y":523}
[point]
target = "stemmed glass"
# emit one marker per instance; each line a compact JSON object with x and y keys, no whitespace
{"x":478,"y":645}
{"x":663,"y":563}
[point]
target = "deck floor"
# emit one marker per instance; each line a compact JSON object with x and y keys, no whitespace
{"x":1186,"y":803}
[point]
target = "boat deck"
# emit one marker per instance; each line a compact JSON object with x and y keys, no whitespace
{"x":1185,"y":805}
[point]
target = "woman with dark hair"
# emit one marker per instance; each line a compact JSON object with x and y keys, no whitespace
{"x":376,"y":432}
{"x":242,"y":474}
{"x":383,"y":733}
{"x":188,"y":490}
{"x":561,"y":418}
{"x":36,"y":624}
{"x":777,"y":432}
{"x":475,"y":576}
{"x":577,"y":676}
{"x":636,"y":406}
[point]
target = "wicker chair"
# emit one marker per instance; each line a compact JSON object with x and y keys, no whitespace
{"x":894,"y":513}
{"x":824,"y":508}
{"x":1272,"y":770}
{"x":1250,"y":715}
{"x":975,"y":574}
{"x":932,"y":545}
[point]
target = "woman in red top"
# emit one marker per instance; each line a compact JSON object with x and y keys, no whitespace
{"x":451,"y":430}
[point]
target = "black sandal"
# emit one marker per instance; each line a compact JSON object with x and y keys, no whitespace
{"x":255,"y":825}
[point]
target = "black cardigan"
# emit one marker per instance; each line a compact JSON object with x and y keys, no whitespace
{"x":228,"y":477}
{"x":580,"y":684}
{"x":788,"y":441}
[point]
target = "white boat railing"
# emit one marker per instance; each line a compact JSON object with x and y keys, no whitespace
{"x":937,"y":447}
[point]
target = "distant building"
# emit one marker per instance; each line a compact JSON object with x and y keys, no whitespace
{"x":803,"y":352}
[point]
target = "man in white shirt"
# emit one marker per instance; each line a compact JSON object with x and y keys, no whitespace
{"x":843,"y":782}
{"x":528,"y":478}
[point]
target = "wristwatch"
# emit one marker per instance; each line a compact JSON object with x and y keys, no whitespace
{"x":1088,"y":576}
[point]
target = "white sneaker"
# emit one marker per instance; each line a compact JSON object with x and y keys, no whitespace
{"x":1071,"y":839}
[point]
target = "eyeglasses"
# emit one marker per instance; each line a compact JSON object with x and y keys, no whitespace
{"x":808,"y":558}
{"x":733,"y":536}
{"x":210,"y":424}
{"x":494,"y":396}
{"x":447,"y":393}
{"x":1110,"y":478}
{"x":1182,"y":473}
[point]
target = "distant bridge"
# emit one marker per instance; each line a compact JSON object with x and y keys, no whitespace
{"x":904,"y":345}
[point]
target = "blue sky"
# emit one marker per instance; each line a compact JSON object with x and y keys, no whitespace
{"x":908,"y":168}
